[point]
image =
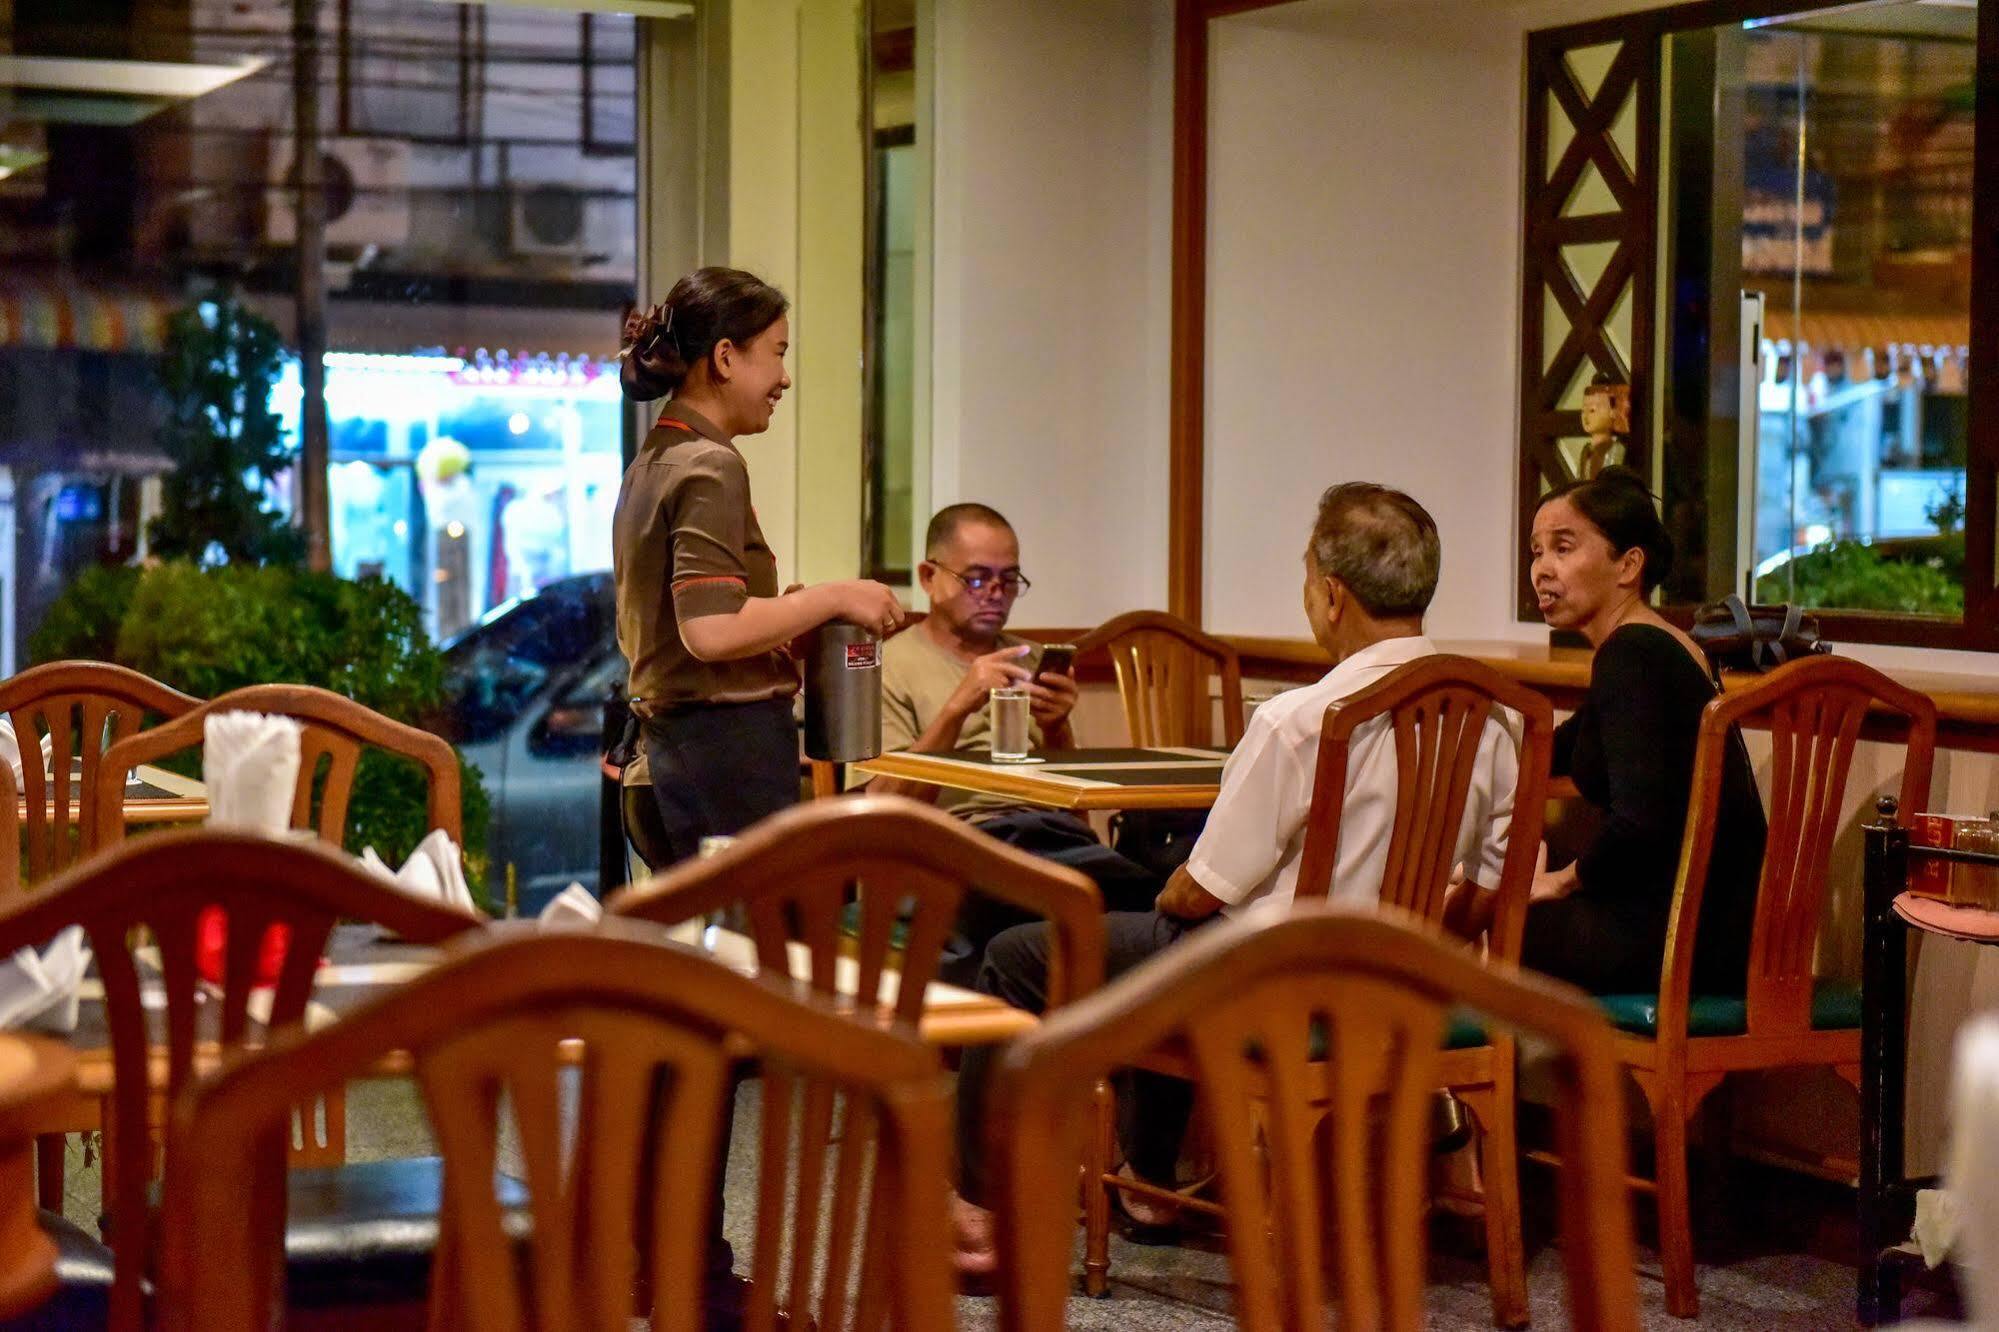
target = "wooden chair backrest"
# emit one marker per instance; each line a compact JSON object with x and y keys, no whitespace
{"x":1813,"y":709}
{"x":85,"y":707}
{"x":795,"y":872}
{"x":1337,"y":1198}
{"x":157,"y":888}
{"x":336,"y":731}
{"x":1437,"y":708}
{"x":622,"y":1189}
{"x":1163,"y":666}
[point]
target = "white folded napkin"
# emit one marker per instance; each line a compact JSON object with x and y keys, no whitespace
{"x":40,"y":988}
{"x":249,"y":763}
{"x":572,"y":907}
{"x":1937,"y":1225}
{"x":10,"y":750}
{"x":435,"y":870}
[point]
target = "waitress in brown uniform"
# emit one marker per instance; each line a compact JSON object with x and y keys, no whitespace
{"x":700,"y":618}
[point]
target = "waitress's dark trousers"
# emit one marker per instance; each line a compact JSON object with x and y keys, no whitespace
{"x":716,"y":770}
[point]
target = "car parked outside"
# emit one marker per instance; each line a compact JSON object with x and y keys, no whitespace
{"x":525,"y":690}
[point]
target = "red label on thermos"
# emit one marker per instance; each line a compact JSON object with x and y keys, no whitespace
{"x":863,"y":656}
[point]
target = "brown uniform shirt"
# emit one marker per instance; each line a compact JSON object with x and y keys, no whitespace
{"x":685,"y":543}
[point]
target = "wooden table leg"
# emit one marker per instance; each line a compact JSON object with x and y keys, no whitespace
{"x":1883,"y":1071}
{"x":51,"y":1153}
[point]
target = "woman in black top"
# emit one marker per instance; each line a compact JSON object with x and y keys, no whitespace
{"x":1600,"y":922}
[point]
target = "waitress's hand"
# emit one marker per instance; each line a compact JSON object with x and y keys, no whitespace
{"x":869,"y":604}
{"x":995,"y":670}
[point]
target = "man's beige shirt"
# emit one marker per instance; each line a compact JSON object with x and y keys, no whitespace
{"x":918,"y":678}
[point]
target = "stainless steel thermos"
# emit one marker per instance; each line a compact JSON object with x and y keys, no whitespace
{"x":843,"y":694}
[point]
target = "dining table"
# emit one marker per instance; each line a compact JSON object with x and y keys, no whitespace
{"x":362,"y":964}
{"x":1080,"y":780}
{"x":152,"y":795}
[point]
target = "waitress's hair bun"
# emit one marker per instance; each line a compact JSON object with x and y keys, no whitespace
{"x":1619,"y":504}
{"x":662,"y":345}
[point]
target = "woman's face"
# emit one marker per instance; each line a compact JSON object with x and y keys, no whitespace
{"x":757,"y":377}
{"x":1575,"y":571}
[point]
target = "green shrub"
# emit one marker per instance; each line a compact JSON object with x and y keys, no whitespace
{"x":1915,"y":578}
{"x":207,"y":631}
{"x":83,"y":623}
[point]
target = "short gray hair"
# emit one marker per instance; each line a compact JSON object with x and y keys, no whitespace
{"x":944,"y":524}
{"x":1381,"y":544}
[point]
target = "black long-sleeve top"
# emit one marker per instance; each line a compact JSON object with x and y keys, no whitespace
{"x":1630,"y":750}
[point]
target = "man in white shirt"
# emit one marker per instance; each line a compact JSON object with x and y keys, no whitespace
{"x":1370,"y":570}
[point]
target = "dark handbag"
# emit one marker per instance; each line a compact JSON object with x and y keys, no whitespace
{"x":1739,"y":637}
{"x":1159,"y":840}
{"x":621,"y":721}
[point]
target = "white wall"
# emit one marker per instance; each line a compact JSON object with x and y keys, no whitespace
{"x":1363,"y":290}
{"x":1051,"y":141}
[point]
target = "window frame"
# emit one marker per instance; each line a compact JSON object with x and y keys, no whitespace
{"x":1639,"y":226}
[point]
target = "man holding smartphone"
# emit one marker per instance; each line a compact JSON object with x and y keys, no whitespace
{"x":936,"y":677}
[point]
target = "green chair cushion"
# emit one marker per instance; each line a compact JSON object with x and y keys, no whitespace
{"x":1463,"y":1032}
{"x":1835,"y":1006}
{"x":850,"y":926}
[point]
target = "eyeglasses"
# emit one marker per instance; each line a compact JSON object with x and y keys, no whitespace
{"x":1013,"y":582}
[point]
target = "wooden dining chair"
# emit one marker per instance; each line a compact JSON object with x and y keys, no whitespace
{"x":148,"y":896}
{"x":1436,"y":708}
{"x":1332,"y":1209}
{"x":1680,"y":1045}
{"x":85,"y":708}
{"x":1164,"y":667}
{"x":887,"y":873}
{"x":643,"y":1036}
{"x":336,"y":732}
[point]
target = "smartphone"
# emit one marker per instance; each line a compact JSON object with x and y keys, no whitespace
{"x":1056,"y":658}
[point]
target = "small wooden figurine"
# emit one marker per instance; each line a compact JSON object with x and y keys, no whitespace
{"x":1606,"y":420}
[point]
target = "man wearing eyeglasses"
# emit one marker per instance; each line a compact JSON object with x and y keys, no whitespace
{"x":936,"y":677}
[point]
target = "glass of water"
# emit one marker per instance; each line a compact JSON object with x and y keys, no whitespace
{"x":1009,"y":725}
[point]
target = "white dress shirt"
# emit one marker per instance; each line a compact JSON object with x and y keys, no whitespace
{"x":1248,"y":854}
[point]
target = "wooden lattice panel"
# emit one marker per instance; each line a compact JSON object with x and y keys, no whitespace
{"x":1590,"y":236}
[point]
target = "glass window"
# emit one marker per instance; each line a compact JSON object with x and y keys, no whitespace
{"x":891,"y":435}
{"x":479,"y":169}
{"x":1818,"y":260}
{"x":461,"y":311}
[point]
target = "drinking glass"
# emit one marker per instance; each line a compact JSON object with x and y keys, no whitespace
{"x":1009,"y":725}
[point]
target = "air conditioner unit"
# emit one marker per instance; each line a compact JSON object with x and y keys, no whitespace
{"x":550,"y":219}
{"x":367,"y":187}
{"x":559,"y":221}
